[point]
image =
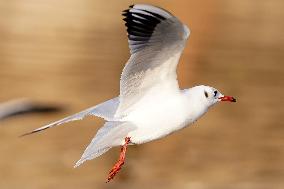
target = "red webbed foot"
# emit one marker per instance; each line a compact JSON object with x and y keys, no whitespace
{"x":117,"y":166}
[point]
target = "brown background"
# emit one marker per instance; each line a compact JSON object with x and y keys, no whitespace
{"x":72,"y":53}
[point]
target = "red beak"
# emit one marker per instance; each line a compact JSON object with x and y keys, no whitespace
{"x":228,"y":98}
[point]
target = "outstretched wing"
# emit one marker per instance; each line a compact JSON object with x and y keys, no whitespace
{"x":105,"y":110}
{"x":156,"y":40}
{"x":110,"y":135}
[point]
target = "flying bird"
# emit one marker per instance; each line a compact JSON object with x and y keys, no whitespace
{"x":150,"y":104}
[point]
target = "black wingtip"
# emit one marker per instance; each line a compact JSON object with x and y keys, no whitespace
{"x":26,"y":134}
{"x":140,"y":22}
{"x":124,"y":12}
{"x":33,"y":132}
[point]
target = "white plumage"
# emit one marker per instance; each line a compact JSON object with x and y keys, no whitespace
{"x":150,"y":104}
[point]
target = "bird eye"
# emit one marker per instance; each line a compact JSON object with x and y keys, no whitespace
{"x":206,"y":94}
{"x":215,"y":93}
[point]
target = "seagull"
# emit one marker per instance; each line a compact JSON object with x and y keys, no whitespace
{"x":150,"y":104}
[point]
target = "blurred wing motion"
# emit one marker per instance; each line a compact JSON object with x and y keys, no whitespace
{"x":156,"y":40}
{"x":110,"y":135}
{"x":105,"y":110}
{"x":23,"y":106}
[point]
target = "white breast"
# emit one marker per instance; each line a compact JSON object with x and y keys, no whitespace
{"x":158,"y":116}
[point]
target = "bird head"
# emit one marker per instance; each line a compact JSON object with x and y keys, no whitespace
{"x":210,"y":96}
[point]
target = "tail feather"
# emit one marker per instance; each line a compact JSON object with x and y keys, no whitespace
{"x":110,"y":135}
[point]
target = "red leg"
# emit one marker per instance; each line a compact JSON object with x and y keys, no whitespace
{"x":120,"y":161}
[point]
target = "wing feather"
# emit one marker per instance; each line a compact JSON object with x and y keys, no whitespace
{"x":105,"y":110}
{"x":156,"y":40}
{"x":110,"y":135}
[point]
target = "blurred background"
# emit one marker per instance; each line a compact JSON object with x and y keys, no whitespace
{"x":71,"y":53}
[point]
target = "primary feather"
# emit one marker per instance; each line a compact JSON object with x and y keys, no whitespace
{"x":105,"y":110}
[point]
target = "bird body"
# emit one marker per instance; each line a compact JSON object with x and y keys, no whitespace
{"x":165,"y":114}
{"x":155,"y":118}
{"x":150,"y":104}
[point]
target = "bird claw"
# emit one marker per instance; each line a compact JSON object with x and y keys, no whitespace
{"x":116,"y":168}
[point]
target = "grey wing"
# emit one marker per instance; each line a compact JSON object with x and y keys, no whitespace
{"x":156,"y":40}
{"x":105,"y":110}
{"x":111,"y":134}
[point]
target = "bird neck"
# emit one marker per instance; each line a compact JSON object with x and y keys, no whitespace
{"x":196,"y":107}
